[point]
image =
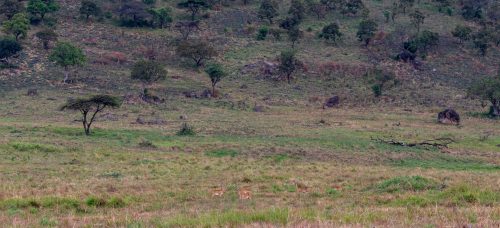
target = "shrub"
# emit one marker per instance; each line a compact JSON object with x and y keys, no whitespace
{"x":148,"y":72}
{"x":262,"y":33}
{"x":186,"y":130}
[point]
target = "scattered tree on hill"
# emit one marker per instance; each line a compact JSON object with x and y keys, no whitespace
{"x":331,"y":33}
{"x":405,"y":4}
{"x":215,"y":72}
{"x":294,"y":35}
{"x":463,"y":33}
{"x":288,"y":64}
{"x":380,"y":80}
{"x":317,"y":8}
{"x":66,"y":55}
{"x":417,"y":19}
{"x":90,"y":107}
{"x":488,"y":89}
{"x":422,"y":42}
{"x":8,"y":48}
{"x":267,"y":10}
{"x":134,"y":14}
{"x":394,"y":11}
{"x":366,"y":31}
{"x":46,"y":36}
{"x":297,"y":10}
{"x":198,"y":51}
{"x":482,"y":40}
{"x":185,"y":28}
{"x":353,"y":6}
{"x":9,"y":8}
{"x":193,"y":6}
{"x":333,"y":4}
{"x":39,"y":8}
{"x":148,"y":72}
{"x":89,"y":8}
{"x":18,"y":26}
{"x":162,"y":17}
{"x":473,"y":9}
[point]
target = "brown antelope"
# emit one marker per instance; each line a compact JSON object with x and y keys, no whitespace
{"x":218,"y":191}
{"x":245,"y":193}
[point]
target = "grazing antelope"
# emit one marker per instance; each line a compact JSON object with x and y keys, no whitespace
{"x":218,"y":191}
{"x":245,"y":193}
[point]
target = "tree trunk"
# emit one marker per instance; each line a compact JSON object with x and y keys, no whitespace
{"x":213,"y":90}
{"x":495,"y":108}
{"x":66,"y":75}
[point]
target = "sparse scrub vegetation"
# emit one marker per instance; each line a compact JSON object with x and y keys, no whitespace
{"x":350,"y":139}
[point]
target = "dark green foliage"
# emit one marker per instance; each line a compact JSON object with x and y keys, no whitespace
{"x":39,"y":8}
{"x":331,"y":33}
{"x":89,"y":8}
{"x":186,"y":130}
{"x":482,"y":40}
{"x":316,"y":8}
{"x":196,"y":50}
{"x":294,"y":34}
{"x":473,"y":9}
{"x":288,"y":64}
{"x":366,"y":31}
{"x":89,"y":107}
{"x":297,"y":10}
{"x":148,"y":72}
{"x":407,"y":183}
{"x":380,"y":80}
{"x":8,"y":48}
{"x":463,"y":33}
{"x":161,"y":17}
{"x":193,"y":6}
{"x":134,"y":14}
{"x":422,"y":42}
{"x":215,"y":72}
{"x":67,"y":55}
{"x":353,"y":6}
{"x":488,"y":89}
{"x":267,"y":10}
{"x":9,"y":8}
{"x":262,"y":33}
{"x":46,"y":36}
{"x":149,"y":2}
{"x":18,"y":26}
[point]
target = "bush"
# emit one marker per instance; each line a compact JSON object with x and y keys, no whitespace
{"x":186,"y":130}
{"x":148,"y":72}
{"x":9,"y":47}
{"x":262,"y":33}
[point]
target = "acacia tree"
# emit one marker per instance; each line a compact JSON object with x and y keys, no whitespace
{"x":488,"y":89}
{"x":193,"y":6}
{"x":216,"y":72}
{"x":90,"y":107}
{"x":417,"y":19}
{"x":9,"y":8}
{"x":89,"y":8}
{"x":42,"y":7}
{"x":331,"y":33}
{"x":267,"y":10}
{"x":66,"y":55}
{"x":8,"y":48}
{"x":46,"y":36}
{"x":463,"y":33}
{"x":148,"y":72}
{"x":18,"y":26}
{"x":162,"y":16}
{"x":197,"y":50}
{"x":288,"y":64}
{"x":366,"y":31}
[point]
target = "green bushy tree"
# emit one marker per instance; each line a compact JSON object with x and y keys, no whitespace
{"x":67,"y":55}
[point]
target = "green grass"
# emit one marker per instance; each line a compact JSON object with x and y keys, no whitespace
{"x":406,"y":183}
{"x":228,"y":219}
{"x":222,"y":153}
{"x":449,"y":163}
{"x":461,"y":195}
{"x":33,"y":147}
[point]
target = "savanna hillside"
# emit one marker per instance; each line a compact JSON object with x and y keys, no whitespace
{"x":253,"y":113}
